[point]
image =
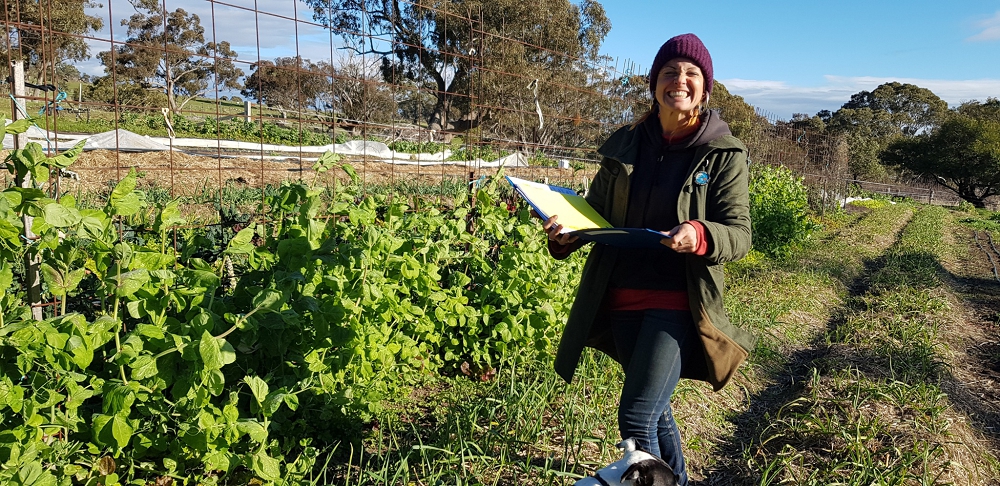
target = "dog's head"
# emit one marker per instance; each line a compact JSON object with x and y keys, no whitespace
{"x":640,"y":469}
{"x":651,"y":471}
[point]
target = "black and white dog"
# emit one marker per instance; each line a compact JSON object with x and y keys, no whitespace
{"x":636,"y":468}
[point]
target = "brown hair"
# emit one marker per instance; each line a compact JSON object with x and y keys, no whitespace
{"x":653,"y":109}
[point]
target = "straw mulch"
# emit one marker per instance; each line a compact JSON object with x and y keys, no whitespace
{"x":185,"y":174}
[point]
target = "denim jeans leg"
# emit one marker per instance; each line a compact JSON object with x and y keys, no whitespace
{"x":669,"y":438}
{"x":650,"y":343}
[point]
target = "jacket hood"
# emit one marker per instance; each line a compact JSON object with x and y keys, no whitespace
{"x":714,"y":132}
{"x":712,"y":127}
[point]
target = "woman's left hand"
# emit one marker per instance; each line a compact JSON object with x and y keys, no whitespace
{"x":682,"y":239}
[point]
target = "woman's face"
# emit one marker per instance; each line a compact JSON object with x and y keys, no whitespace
{"x":680,"y":86}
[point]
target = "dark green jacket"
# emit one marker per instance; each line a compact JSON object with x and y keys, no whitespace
{"x":722,"y":205}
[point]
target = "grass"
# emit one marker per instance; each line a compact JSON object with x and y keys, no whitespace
{"x":873,"y":410}
{"x":525,"y":426}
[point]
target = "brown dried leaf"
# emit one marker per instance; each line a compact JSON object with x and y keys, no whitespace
{"x":106,"y":465}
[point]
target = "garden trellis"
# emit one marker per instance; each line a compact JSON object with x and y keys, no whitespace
{"x":315,"y":85}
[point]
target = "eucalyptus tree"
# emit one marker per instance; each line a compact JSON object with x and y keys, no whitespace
{"x":963,"y":155}
{"x":45,"y":34}
{"x":287,"y":82}
{"x":167,"y":52}
{"x":871,"y":120}
{"x":473,"y":55}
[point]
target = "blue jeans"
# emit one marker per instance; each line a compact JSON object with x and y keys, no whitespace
{"x":650,"y":345}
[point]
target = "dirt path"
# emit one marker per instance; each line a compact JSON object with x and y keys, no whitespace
{"x":974,"y":340}
{"x":781,"y":383}
{"x":835,"y":354}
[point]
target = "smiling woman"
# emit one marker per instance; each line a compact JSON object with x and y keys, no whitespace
{"x":658,"y":311}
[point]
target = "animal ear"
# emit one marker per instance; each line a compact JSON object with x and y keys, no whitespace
{"x":633,"y":474}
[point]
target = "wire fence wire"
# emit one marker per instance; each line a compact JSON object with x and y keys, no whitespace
{"x":214,"y":99}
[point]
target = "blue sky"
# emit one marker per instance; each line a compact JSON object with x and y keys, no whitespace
{"x":784,"y":57}
{"x":804,"y":56}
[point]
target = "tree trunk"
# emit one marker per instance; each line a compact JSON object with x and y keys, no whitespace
{"x":439,"y":117}
{"x":978,"y":202}
{"x":973,"y":198}
{"x":171,"y":99}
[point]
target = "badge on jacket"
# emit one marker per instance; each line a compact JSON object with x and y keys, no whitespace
{"x":701,"y":178}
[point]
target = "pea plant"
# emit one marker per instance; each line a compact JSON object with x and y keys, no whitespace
{"x":160,"y":365}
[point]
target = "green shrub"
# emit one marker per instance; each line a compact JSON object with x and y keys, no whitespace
{"x":779,"y":205}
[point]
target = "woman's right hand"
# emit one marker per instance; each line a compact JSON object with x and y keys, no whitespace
{"x":552,"y":229}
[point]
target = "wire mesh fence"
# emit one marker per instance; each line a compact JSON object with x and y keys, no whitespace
{"x":212,"y":98}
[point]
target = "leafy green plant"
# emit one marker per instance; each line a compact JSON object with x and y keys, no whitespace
{"x":779,"y":205}
{"x":407,"y":146}
{"x":871,"y":203}
{"x":485,"y":152}
{"x":168,"y":359}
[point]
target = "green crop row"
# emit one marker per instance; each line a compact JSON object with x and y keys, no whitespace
{"x":209,"y":127}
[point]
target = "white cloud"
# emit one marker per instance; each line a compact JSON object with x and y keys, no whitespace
{"x":783,"y":99}
{"x":989,"y":29}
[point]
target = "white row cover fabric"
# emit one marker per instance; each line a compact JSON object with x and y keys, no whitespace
{"x":126,"y":141}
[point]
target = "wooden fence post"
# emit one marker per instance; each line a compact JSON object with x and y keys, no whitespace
{"x":32,"y":262}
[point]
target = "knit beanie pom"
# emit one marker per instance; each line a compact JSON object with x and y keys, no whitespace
{"x":684,"y":45}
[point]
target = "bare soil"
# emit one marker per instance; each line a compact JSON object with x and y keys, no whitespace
{"x":974,"y":340}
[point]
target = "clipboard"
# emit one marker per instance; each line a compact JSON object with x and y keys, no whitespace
{"x":579,"y":219}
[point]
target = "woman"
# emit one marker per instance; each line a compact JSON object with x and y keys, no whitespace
{"x":659,"y":311}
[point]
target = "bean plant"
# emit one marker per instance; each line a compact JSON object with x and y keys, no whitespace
{"x":163,"y":361}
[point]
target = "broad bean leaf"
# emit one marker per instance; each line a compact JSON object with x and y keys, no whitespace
{"x":144,"y":367}
{"x":353,"y":174}
{"x":19,"y":126}
{"x":124,"y":187}
{"x":67,"y":158}
{"x":124,"y":200}
{"x":326,"y":161}
{"x":204,"y":279}
{"x":270,"y":300}
{"x":6,"y":276}
{"x":61,"y":216}
{"x":121,"y":430}
{"x":273,"y":401}
{"x":169,"y":216}
{"x":241,"y":243}
{"x":128,"y":205}
{"x":11,"y":395}
{"x":215,"y":381}
{"x":112,"y":430}
{"x":118,"y":399}
{"x":129,"y":283}
{"x":256,"y":431}
{"x":61,"y":282}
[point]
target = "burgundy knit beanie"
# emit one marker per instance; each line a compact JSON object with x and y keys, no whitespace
{"x":684,"y":45}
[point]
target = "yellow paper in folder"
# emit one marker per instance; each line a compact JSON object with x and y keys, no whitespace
{"x":573,"y":211}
